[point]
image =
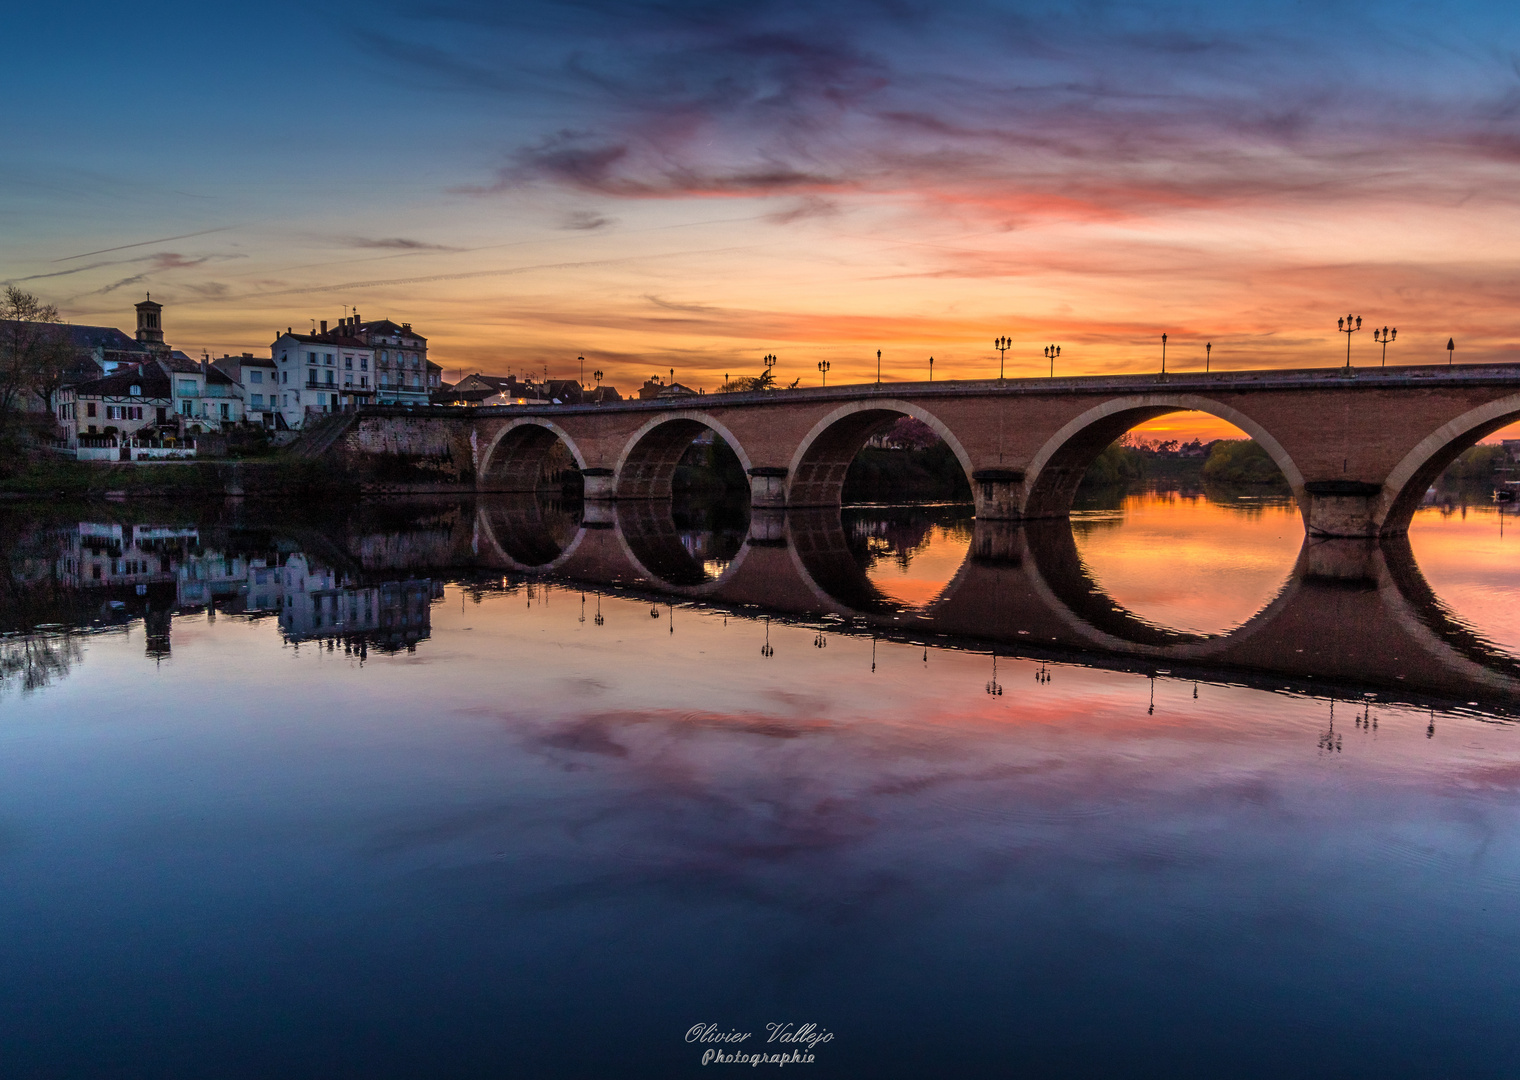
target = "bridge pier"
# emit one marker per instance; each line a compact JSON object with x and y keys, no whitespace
{"x":1342,"y":508}
{"x":601,"y":485}
{"x":999,"y":494}
{"x":767,"y":487}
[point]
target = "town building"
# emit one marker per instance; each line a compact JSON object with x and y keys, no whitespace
{"x":258,"y":377}
{"x":321,"y":373}
{"x":404,"y":374}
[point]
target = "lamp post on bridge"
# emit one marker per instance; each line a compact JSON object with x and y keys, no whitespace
{"x":597,"y":375}
{"x":823,"y":368}
{"x":878,"y":367}
{"x":1002,"y":345}
{"x":1345,"y":326}
{"x":1383,"y":337}
{"x":1208,"y":347}
{"x":1163,"y":356}
{"x":770,"y":364}
{"x":582,"y":380}
{"x":1051,"y":352}
{"x":1451,"y":345}
{"x":931,"y":369}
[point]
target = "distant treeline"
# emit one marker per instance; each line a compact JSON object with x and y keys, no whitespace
{"x":1239,"y":462}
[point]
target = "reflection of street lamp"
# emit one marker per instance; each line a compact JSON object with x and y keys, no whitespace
{"x":994,"y":688}
{"x":1345,"y":327}
{"x":1051,"y":352}
{"x":1002,"y":345}
{"x":1383,"y":337}
{"x":823,"y":368}
{"x":766,"y":650}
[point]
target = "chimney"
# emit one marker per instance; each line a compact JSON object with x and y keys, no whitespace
{"x":356,"y":316}
{"x":324,"y":326}
{"x":287,"y":329}
{"x":406,"y":328}
{"x":248,"y":356}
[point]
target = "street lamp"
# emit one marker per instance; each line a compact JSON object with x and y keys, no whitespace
{"x":823,"y":369}
{"x":597,"y":375}
{"x":1163,"y":356}
{"x":1383,"y":337}
{"x":1002,"y":345}
{"x":1051,"y":352}
{"x":878,"y":367}
{"x":931,"y":369}
{"x":582,"y":359}
{"x":1451,"y":345}
{"x":1208,"y":347}
{"x":770,"y":362}
{"x":1345,"y":326}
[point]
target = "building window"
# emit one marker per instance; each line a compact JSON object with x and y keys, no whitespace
{"x":321,"y":399}
{"x":226,"y":411}
{"x":89,"y":408}
{"x":330,"y":379}
{"x":187,"y":388}
{"x":363,"y":363}
{"x":311,"y":358}
{"x":329,"y":357}
{"x":258,"y":401}
{"x":256,"y":376}
{"x":284,"y":378}
{"x":348,"y":363}
{"x":134,"y":391}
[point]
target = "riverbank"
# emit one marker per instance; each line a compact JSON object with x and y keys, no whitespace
{"x":51,"y":477}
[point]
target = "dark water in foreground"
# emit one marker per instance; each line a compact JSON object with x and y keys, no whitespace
{"x":285,"y":797}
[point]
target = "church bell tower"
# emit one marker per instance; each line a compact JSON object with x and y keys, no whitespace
{"x":150,"y":327}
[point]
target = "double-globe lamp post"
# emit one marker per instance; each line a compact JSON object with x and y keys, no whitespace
{"x":1383,"y":337}
{"x":1002,"y":345}
{"x":1348,"y":326}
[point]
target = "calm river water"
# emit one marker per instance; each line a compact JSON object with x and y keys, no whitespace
{"x":503,"y":789}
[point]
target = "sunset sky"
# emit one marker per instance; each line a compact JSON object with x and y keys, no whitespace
{"x":693,"y":185}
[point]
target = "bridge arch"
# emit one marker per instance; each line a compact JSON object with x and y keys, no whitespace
{"x":515,"y":456}
{"x":1407,"y":483}
{"x":815,"y":476}
{"x":1057,"y":468}
{"x":648,"y":462}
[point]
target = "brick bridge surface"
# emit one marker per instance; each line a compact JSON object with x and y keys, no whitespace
{"x":1358,"y":448}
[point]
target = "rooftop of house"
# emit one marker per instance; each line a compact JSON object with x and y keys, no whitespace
{"x":148,"y":378}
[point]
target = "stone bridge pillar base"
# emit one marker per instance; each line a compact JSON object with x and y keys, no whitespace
{"x":1342,"y":507}
{"x":601,"y":485}
{"x":767,"y":487}
{"x":767,"y":527}
{"x":999,"y":494}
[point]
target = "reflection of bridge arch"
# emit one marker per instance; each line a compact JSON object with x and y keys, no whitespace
{"x":524,"y":537}
{"x":818,"y":467}
{"x":1407,"y":483}
{"x":648,"y":462}
{"x":515,"y":457}
{"x":652,"y":545}
{"x":1058,"y":466}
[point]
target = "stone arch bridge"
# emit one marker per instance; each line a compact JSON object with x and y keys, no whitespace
{"x":1358,"y":447}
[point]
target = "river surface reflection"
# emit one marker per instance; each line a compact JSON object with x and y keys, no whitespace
{"x":361,"y":795}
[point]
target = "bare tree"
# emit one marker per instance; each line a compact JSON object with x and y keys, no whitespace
{"x":35,"y":351}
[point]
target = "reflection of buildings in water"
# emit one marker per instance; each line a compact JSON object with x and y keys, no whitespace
{"x":157,"y":571}
{"x":320,"y":605}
